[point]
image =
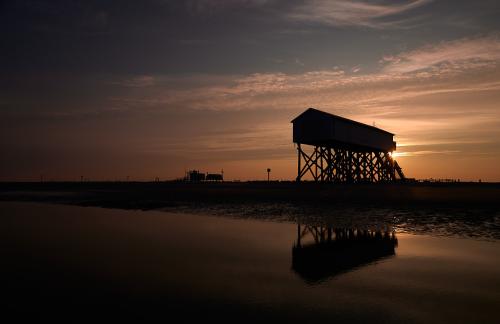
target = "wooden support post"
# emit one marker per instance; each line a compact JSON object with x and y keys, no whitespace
{"x":299,"y":157}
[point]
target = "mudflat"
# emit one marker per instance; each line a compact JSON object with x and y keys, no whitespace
{"x":153,"y":195}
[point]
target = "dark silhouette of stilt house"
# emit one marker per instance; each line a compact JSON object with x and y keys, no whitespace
{"x":343,"y":150}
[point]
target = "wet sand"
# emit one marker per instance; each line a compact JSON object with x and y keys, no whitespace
{"x":82,"y":264}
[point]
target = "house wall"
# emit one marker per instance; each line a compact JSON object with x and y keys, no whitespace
{"x":316,"y":128}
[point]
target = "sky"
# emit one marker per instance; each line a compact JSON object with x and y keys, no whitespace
{"x":143,"y":89}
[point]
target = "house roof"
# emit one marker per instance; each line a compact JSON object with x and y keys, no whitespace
{"x":332,"y":116}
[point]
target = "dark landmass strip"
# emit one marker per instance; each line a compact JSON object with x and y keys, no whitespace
{"x":153,"y":195}
{"x":457,"y":209}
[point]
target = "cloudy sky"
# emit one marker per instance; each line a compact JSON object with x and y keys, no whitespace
{"x":109,"y":89}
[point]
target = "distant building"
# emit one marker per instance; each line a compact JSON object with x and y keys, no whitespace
{"x":214,"y":177}
{"x":195,"y":176}
{"x":198,"y":176}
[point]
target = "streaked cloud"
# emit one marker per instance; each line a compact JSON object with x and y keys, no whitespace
{"x":355,"y":13}
{"x":461,"y":54}
{"x":419,"y":153}
{"x":446,"y":68}
{"x":364,"y":13}
{"x":204,"y":6}
{"x":417,"y":101}
{"x":136,"y":82}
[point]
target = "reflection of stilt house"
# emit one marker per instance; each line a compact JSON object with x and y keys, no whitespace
{"x":343,"y":150}
{"x":332,"y":251}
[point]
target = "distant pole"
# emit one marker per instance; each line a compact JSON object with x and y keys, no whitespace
{"x":268,"y":171}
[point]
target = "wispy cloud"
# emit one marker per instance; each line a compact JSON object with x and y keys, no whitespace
{"x":425,"y":101}
{"x":210,"y":6}
{"x":455,"y":55}
{"x":136,"y":81}
{"x":356,"y":69}
{"x":364,"y":13}
{"x":354,"y":13}
{"x":446,"y":68}
{"x":419,"y":153}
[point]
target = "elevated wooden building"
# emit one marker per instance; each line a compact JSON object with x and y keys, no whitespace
{"x":343,"y":150}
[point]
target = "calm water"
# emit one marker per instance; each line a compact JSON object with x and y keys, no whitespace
{"x":81,"y":263}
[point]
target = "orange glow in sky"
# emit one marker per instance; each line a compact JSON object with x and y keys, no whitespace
{"x":212,"y":85}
